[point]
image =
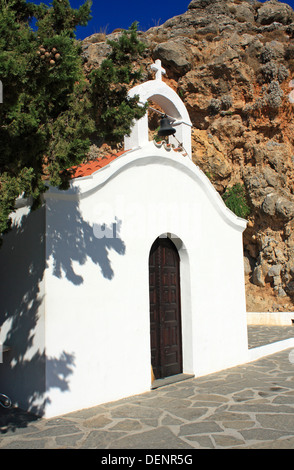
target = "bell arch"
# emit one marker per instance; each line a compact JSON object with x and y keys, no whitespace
{"x":159,"y":92}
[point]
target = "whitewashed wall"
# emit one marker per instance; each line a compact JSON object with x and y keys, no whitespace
{"x":75,"y":283}
{"x":97,"y":289}
{"x":22,"y":310}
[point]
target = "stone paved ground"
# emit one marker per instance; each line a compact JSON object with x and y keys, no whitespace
{"x":261,"y":335}
{"x":249,"y":406}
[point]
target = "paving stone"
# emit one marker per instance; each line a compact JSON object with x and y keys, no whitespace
{"x":203,"y":441}
{"x":56,"y":431}
{"x":99,"y":421}
{"x":227,"y":441}
{"x":284,"y":399}
{"x":160,"y":438}
{"x":176,"y":403}
{"x":260,"y":336}
{"x":249,"y":406}
{"x":160,"y":401}
{"x":100,"y":440}
{"x":150,"y":422}
{"x":27,"y":444}
{"x":199,"y":428}
{"x":183,"y":393}
{"x":277,"y":421}
{"x":277,"y":444}
{"x":69,"y":441}
{"x":15,"y":419}
{"x":57,"y":422}
{"x":133,"y":411}
{"x":15,"y":431}
{"x":244,"y":395}
{"x":190,"y":414}
{"x":263,"y":408}
{"x":228,"y":389}
{"x":210,"y":397}
{"x":262,"y":434}
{"x":127,"y":425}
{"x":238,"y":424}
{"x":205,"y":404}
{"x":171,"y":421}
{"x":88,"y":412}
{"x":221,"y":416}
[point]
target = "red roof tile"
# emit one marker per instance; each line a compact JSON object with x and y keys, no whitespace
{"x":86,"y":169}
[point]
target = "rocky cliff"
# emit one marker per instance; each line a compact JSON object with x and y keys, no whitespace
{"x":232,"y":63}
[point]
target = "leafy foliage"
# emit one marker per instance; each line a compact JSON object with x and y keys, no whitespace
{"x":50,"y":108}
{"x":115,"y":112}
{"x":235,"y":200}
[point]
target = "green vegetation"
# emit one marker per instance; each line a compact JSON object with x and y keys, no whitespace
{"x":235,"y":200}
{"x":114,"y":111}
{"x":51,"y":109}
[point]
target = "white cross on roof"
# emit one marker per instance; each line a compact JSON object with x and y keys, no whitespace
{"x":158,"y":69}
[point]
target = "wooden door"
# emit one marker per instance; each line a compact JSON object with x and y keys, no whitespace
{"x":165,"y":309}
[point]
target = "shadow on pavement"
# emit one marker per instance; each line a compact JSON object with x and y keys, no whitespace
{"x":14,"y":418}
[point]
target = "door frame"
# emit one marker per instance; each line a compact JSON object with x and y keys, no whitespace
{"x":166,"y":331}
{"x":187,"y":322}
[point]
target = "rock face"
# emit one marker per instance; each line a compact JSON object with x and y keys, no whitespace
{"x":231,"y":62}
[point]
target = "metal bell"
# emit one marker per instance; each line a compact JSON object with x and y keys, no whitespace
{"x":165,"y":127}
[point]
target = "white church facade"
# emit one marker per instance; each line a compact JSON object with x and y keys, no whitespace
{"x":133,"y":275}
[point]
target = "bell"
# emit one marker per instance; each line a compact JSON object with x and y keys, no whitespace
{"x":165,"y":127}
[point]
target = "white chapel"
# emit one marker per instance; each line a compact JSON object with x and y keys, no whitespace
{"x":131,"y":278}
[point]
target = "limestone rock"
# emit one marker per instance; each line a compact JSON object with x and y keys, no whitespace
{"x":174,"y":55}
{"x":285,"y":208}
{"x":258,"y":277}
{"x":275,"y":270}
{"x":95,"y":53}
{"x":209,"y":155}
{"x":247,"y":266}
{"x":231,"y":63}
{"x":243,"y":13}
{"x":200,"y":4}
{"x":274,"y":11}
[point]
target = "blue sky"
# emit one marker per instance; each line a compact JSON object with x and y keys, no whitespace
{"x":111,"y":14}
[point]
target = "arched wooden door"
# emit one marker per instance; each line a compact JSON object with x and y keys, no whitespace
{"x":165,"y":309}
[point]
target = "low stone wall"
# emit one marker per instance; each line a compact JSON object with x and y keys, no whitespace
{"x":270,"y":318}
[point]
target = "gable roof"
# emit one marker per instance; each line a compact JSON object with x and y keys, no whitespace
{"x":154,"y":153}
{"x":88,"y":168}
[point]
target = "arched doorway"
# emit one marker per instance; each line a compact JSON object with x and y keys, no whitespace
{"x":165,"y":309}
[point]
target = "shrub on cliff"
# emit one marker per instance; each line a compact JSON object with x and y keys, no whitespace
{"x":235,"y":200}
